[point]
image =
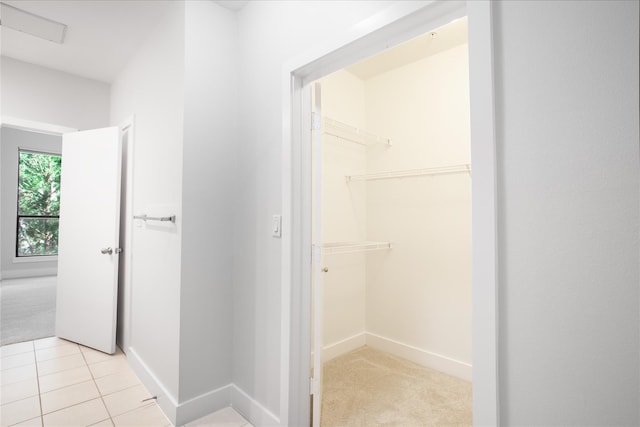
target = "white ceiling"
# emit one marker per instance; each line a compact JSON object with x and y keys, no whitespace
{"x":102,"y":35}
{"x":445,"y":37}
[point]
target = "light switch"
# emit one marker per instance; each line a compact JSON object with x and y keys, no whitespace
{"x":276,"y":225}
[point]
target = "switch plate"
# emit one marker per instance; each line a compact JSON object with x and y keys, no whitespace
{"x":276,"y":226}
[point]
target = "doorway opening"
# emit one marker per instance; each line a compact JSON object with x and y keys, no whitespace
{"x":392,"y":221}
{"x":34,"y":318}
{"x":30,"y":208}
{"x":393,"y":27}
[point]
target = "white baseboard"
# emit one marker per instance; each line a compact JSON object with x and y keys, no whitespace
{"x":204,"y":404}
{"x":166,"y":401}
{"x":251,"y":409}
{"x":344,"y":346}
{"x":422,"y":357}
{"x":26,"y":273}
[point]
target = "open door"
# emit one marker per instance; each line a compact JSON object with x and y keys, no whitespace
{"x":316,"y":268}
{"x":88,"y":247}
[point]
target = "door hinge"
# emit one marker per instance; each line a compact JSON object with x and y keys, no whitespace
{"x":314,"y":386}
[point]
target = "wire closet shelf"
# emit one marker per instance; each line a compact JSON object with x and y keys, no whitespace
{"x":409,"y":173}
{"x":350,"y":133}
{"x":335,"y":248}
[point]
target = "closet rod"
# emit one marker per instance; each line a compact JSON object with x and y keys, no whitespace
{"x":347,"y":132}
{"x":353,"y":247}
{"x":463,"y":168}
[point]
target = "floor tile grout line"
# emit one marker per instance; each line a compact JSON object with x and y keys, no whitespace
{"x":16,"y":382}
{"x":133,"y":410}
{"x":101,"y":421}
{"x":56,"y":357}
{"x":130,"y":410}
{"x":14,"y":354}
{"x":2,"y":369}
{"x":69,"y":345}
{"x":71,"y":406}
{"x":66,"y":343}
{"x":118,"y":391}
{"x":80,"y":403}
{"x":100,"y":395}
{"x":65,"y":386}
{"x":106,"y":408}
{"x":62,"y":388}
{"x":34,"y":350}
{"x":61,"y":370}
{"x":92,"y":379}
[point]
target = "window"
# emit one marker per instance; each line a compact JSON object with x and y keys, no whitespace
{"x":38,"y":204}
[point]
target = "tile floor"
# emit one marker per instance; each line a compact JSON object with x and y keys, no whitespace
{"x":53,"y":382}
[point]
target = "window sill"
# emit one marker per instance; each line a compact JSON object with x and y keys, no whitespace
{"x":42,"y":258}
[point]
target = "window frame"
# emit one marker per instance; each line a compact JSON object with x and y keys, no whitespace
{"x":34,"y":257}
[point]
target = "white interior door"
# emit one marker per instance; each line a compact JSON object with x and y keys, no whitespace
{"x":317,"y":268}
{"x":88,"y":247}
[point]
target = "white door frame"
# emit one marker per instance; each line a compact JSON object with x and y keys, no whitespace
{"x":399,"y":23}
{"x":129,"y":127}
{"x":33,"y":126}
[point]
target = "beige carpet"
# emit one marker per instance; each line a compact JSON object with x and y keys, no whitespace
{"x":27,"y":309}
{"x":367,"y":387}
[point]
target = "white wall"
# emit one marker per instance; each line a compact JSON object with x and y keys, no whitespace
{"x":344,"y":217}
{"x":151,"y":86}
{"x":567,"y":97}
{"x":567,"y":123}
{"x":32,"y":92}
{"x":38,"y":94}
{"x":12,"y":141}
{"x":271,"y":33}
{"x":208,"y":190}
{"x":419,"y":292}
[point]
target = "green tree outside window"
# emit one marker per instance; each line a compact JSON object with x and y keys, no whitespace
{"x":38,"y":204}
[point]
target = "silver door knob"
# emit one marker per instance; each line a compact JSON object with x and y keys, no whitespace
{"x":325,"y":269}
{"x":106,"y":251}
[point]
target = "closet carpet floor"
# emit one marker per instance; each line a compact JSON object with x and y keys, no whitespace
{"x":367,"y":387}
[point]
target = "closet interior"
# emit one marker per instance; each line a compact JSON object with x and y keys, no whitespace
{"x":395,"y":239}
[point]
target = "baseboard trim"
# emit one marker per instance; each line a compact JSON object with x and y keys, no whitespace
{"x":251,"y":409}
{"x":422,"y":357}
{"x":166,"y":401}
{"x":27,"y":273}
{"x":344,"y":346}
{"x":204,"y":404}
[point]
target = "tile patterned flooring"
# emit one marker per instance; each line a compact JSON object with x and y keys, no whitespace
{"x":53,"y":382}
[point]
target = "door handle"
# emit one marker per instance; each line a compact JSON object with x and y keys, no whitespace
{"x":110,"y":251}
